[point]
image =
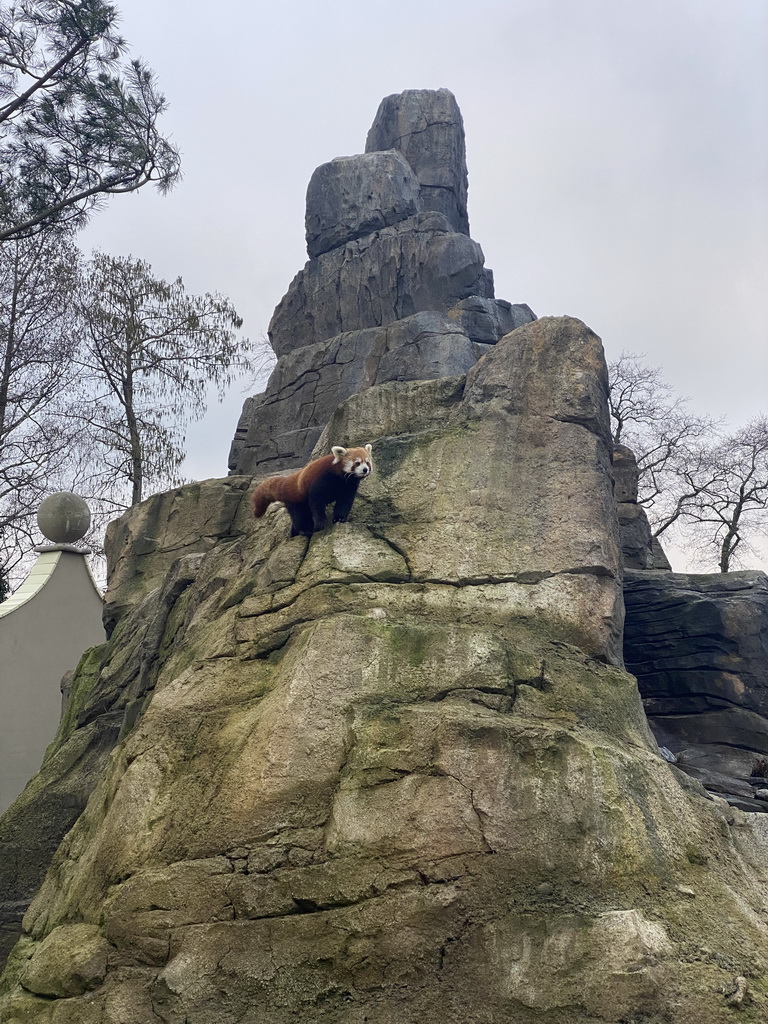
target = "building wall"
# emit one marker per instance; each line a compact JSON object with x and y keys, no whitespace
{"x":45,"y":627}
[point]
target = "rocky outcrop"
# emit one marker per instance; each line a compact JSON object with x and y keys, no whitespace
{"x":155,"y":555}
{"x":416,"y":265}
{"x":698,"y":645}
{"x":309,"y":383}
{"x":391,"y":261}
{"x":354,"y":196}
{"x":426,"y":126}
{"x":397,"y":772}
{"x":640,"y":549}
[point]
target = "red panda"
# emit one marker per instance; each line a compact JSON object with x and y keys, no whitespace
{"x":332,"y":479}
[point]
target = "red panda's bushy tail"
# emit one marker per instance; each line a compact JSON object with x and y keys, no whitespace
{"x":262,"y":498}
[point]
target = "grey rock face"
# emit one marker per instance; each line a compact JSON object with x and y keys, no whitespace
{"x":494,"y":511}
{"x":355,"y":195}
{"x":310,"y":382}
{"x":113,"y":682}
{"x":426,"y":126}
{"x":624,"y":474}
{"x":698,"y":645}
{"x":487,"y":320}
{"x":416,"y":265}
{"x":640,"y":549}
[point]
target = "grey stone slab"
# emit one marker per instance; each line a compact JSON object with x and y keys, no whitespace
{"x":353,"y":196}
{"x":487,"y":320}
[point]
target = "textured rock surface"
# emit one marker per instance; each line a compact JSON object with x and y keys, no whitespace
{"x":392,"y":774}
{"x":356,"y":195}
{"x":487,"y":320}
{"x":426,"y":126}
{"x":625,"y":474}
{"x":386,"y":248}
{"x":417,"y":264}
{"x":640,"y":549}
{"x":310,"y":382}
{"x":698,"y":645}
{"x":154,"y":557}
{"x":494,"y":481}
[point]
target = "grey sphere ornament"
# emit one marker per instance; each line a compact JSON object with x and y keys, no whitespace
{"x":63,"y":518}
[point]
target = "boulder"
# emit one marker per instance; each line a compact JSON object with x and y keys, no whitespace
{"x":698,"y":645}
{"x":427,"y":127}
{"x":395,"y":772}
{"x":640,"y":549}
{"x":70,"y":961}
{"x":354,"y":196}
{"x":487,"y":320}
{"x":143,"y":546}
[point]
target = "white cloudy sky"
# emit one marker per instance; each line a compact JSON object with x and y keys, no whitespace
{"x":617,"y":152}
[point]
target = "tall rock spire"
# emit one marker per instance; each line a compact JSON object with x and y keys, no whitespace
{"x":426,"y":126}
{"x":395,"y":289}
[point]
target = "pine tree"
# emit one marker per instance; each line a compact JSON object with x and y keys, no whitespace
{"x":77,"y":124}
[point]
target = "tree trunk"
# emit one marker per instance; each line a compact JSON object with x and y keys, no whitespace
{"x":137,"y":462}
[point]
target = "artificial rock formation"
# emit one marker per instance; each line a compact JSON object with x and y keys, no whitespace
{"x":111,"y":684}
{"x":397,"y":772}
{"x":698,"y":645}
{"x":426,"y":127}
{"x":354,"y":196}
{"x":394,"y":288}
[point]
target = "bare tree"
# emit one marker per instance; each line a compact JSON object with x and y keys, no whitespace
{"x":671,"y":443}
{"x":77,"y":124}
{"x":150,"y":351}
{"x":733,"y":507}
{"x":711,"y":487}
{"x":38,"y":341}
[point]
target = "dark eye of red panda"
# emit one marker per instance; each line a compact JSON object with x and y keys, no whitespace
{"x":357,"y":462}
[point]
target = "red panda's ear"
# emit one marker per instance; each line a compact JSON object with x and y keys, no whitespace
{"x":368,"y":448}
{"x":338,"y":452}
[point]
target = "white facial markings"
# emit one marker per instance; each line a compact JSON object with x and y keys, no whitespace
{"x":354,"y":461}
{"x":357,"y":467}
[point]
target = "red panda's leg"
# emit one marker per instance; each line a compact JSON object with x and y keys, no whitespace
{"x":301,"y":518}
{"x":318,"y":499}
{"x":344,"y":502}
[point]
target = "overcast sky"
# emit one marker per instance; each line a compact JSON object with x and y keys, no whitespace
{"x":617,"y":153}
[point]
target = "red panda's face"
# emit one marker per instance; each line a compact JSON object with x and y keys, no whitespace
{"x":354,"y":461}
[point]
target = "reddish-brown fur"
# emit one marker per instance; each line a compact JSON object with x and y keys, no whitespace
{"x":293,"y":488}
{"x":332,"y":479}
